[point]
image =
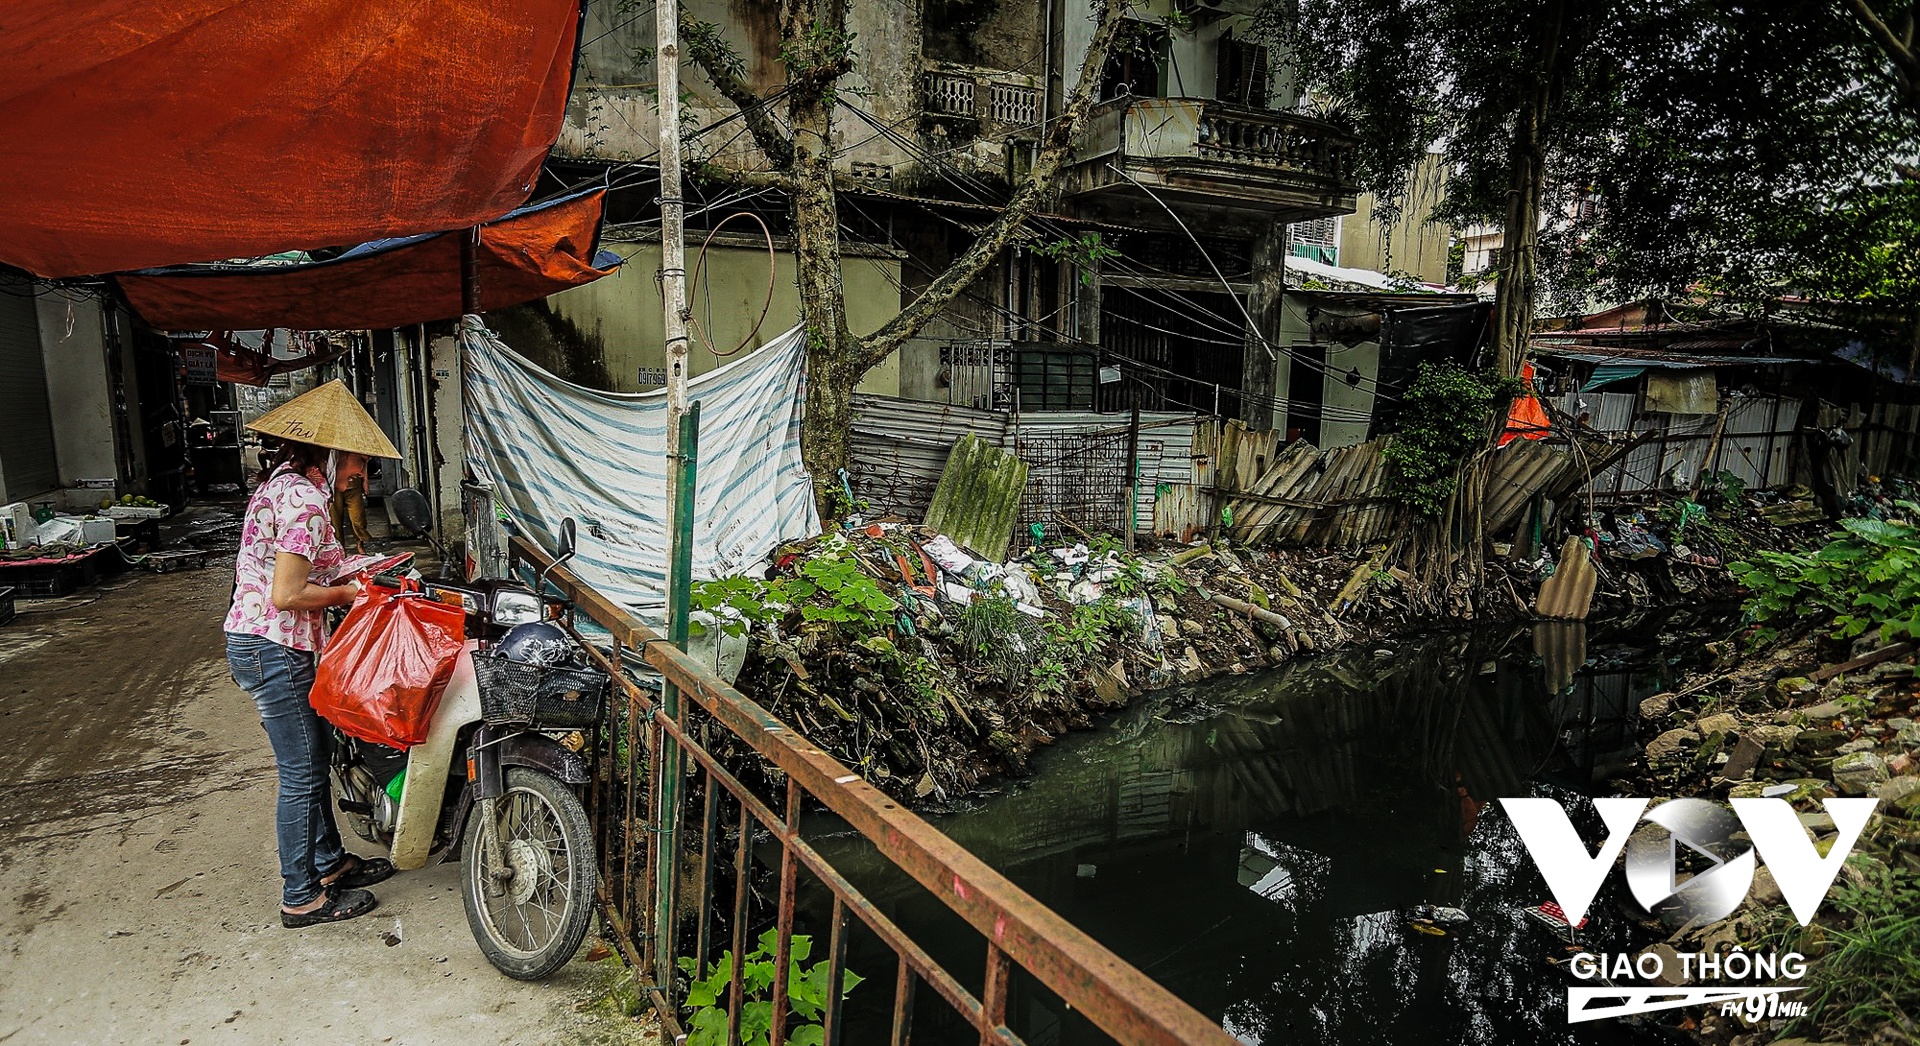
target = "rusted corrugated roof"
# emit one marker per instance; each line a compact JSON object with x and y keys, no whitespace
{"x":1660,"y":357}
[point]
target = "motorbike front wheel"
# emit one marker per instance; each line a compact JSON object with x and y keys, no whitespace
{"x":529,"y":907}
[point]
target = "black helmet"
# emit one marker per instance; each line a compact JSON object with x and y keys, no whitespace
{"x":537,"y":643}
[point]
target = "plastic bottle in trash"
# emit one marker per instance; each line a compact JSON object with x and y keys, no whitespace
{"x":397,"y":785}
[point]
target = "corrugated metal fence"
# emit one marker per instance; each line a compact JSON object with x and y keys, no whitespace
{"x":1297,"y":494}
{"x":1886,"y":438}
{"x":900,"y":447}
{"x":1754,"y":442}
{"x":1283,"y":493}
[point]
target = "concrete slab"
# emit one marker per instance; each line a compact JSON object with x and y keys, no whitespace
{"x":138,"y":880}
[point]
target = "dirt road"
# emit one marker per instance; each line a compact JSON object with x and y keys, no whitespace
{"x":138,"y":880}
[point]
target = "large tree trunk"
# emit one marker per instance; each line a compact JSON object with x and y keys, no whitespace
{"x":831,"y":368}
{"x":1526,"y":191}
{"x":817,"y":55}
{"x":816,"y":51}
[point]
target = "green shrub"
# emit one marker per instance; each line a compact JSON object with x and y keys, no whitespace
{"x":829,"y":589}
{"x":806,"y":995}
{"x":1863,"y":974}
{"x":1867,"y":577}
{"x":1443,"y":416}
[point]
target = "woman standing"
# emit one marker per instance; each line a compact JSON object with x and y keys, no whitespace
{"x":276,"y":629}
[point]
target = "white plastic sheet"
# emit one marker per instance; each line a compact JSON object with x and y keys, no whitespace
{"x":552,"y":449}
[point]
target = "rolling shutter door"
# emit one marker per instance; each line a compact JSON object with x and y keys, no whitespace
{"x":26,"y":426}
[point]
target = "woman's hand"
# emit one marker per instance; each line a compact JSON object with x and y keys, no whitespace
{"x":293,"y":591}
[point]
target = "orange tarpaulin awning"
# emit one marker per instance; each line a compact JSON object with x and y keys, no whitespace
{"x":529,"y":254}
{"x":137,"y":133}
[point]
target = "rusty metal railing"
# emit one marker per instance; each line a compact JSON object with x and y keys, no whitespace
{"x":634,"y":839}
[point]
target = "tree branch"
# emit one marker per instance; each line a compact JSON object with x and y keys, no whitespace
{"x":710,"y":51}
{"x":1906,"y":62}
{"x":876,"y":347}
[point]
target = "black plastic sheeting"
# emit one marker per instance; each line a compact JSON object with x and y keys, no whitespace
{"x":1425,"y":334}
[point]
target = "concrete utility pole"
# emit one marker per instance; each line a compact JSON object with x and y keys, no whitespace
{"x":673,"y":296}
{"x":673,"y":248}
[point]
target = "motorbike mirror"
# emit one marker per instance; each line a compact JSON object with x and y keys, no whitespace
{"x":567,"y":546}
{"x":411,"y":508}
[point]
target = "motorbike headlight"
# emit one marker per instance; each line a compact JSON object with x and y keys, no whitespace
{"x":515,"y":608}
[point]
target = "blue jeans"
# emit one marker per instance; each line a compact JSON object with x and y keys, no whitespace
{"x":278,"y":678}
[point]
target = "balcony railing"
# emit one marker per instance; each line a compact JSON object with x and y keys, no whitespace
{"x":1264,"y":159}
{"x":988,"y":95}
{"x":1233,"y":135}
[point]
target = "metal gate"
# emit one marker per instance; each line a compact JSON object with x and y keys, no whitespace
{"x":1085,"y":479}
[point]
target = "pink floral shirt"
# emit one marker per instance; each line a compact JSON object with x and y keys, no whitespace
{"x":288,"y":513}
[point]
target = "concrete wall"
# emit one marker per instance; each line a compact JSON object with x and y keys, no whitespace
{"x":995,"y":34}
{"x":1408,"y":244}
{"x":1194,"y":51}
{"x":447,"y":435}
{"x":614,"y":326}
{"x":612,"y":112}
{"x":1342,"y":400}
{"x":1339,"y":400}
{"x":1483,"y":241}
{"x":79,"y":395}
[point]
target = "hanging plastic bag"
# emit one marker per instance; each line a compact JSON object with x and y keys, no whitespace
{"x":382,"y":674}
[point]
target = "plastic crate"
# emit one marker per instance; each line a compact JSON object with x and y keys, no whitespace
{"x":6,"y":604}
{"x":514,"y":693}
{"x":49,"y":580}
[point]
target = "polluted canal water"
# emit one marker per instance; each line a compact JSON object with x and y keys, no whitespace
{"x":1273,"y":848}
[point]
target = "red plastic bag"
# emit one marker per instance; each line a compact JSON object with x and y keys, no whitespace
{"x":383,"y":671}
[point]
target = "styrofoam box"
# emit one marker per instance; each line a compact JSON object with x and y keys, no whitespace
{"x":20,"y":529}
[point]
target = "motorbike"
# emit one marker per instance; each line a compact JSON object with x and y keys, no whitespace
{"x":494,"y":784}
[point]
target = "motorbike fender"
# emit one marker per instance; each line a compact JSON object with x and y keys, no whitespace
{"x":492,"y":755}
{"x":431,"y":762}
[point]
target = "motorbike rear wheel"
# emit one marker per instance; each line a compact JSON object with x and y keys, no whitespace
{"x":531,"y":919}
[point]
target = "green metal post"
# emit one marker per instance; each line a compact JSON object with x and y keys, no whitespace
{"x":679,"y":599}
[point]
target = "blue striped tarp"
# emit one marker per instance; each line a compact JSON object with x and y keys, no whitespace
{"x":552,"y":449}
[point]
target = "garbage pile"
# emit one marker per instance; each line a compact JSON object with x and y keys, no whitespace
{"x":1666,"y":551}
{"x":930,"y":669}
{"x":1806,"y":722}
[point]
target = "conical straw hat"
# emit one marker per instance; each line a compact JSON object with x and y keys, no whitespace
{"x":330,"y":417}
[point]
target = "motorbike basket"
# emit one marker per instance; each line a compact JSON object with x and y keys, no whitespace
{"x":514,"y":693}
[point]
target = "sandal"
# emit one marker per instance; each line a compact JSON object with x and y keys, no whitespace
{"x":340,"y":906}
{"x":364,"y":872}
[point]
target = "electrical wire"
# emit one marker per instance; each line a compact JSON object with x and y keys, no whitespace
{"x":1329,"y":412}
{"x":632,"y":17}
{"x":981,"y":193}
{"x":702,"y":261}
